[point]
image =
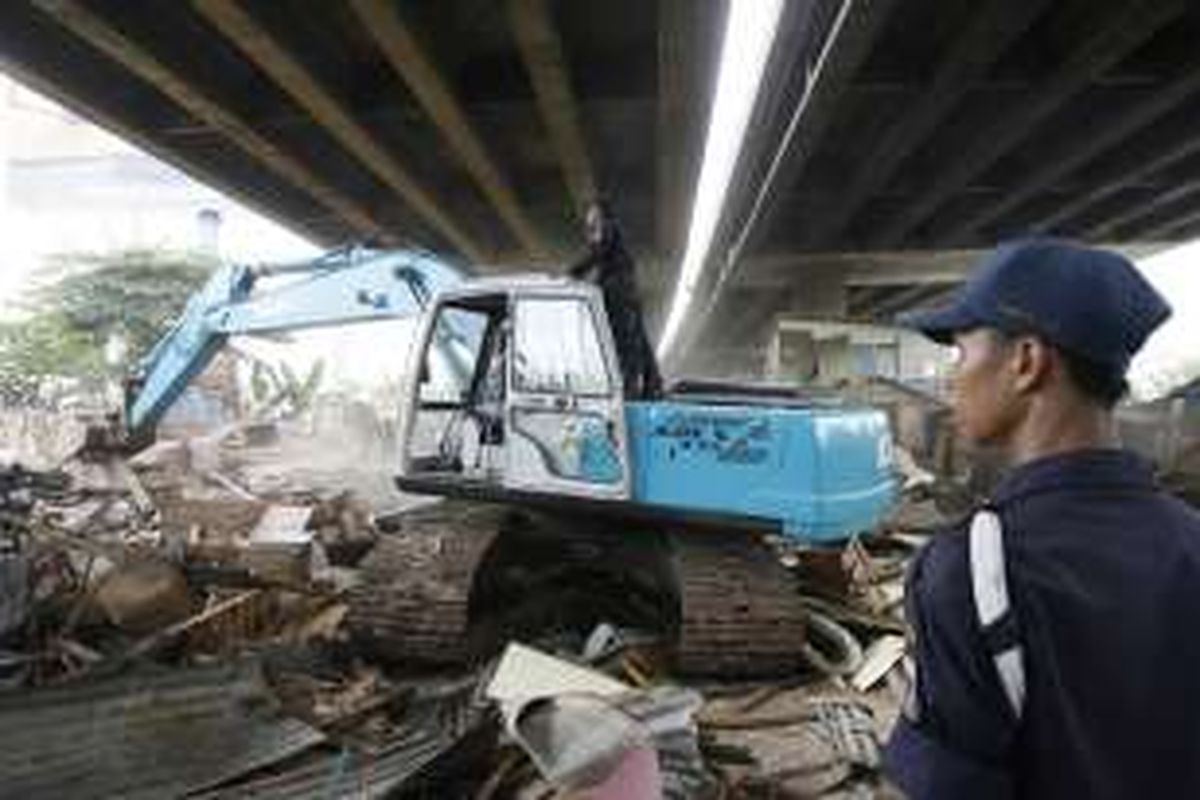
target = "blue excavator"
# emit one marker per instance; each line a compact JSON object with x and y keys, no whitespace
{"x":566,"y":501}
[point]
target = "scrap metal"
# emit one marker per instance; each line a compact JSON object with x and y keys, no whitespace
{"x":143,"y":735}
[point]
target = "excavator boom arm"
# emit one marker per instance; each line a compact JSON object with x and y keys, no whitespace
{"x":346,"y":286}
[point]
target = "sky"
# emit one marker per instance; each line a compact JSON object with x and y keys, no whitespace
{"x":67,"y":185}
{"x":1172,"y":355}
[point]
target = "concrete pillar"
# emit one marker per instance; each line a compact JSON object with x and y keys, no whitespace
{"x":792,"y":356}
{"x":834,"y":359}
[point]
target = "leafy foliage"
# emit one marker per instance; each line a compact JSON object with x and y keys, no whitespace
{"x":46,"y":353}
{"x":130,"y":294}
{"x":280,"y":391}
{"x":81,"y":306}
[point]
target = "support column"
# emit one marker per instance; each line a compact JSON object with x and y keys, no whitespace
{"x":792,"y":356}
{"x":795,"y":354}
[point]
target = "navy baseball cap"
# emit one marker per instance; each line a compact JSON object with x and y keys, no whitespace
{"x":1091,"y":302}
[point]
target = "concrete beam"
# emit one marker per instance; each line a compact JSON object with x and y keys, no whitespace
{"x":827,"y":75}
{"x":1160,"y":152}
{"x":108,"y":40}
{"x":859,"y":269}
{"x":938,"y":296}
{"x":828,"y":79}
{"x":934,"y":274}
{"x":1170,"y":228}
{"x":911,"y":297}
{"x":860,"y":299}
{"x":382,"y":21}
{"x":683,"y":26}
{"x":542,"y":52}
{"x":988,"y":35}
{"x":672,"y":53}
{"x":258,"y":45}
{"x":1105,"y":46}
{"x":1077,"y":150}
{"x":1128,"y":218}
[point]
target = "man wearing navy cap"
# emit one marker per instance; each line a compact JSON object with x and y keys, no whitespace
{"x":1057,"y":630}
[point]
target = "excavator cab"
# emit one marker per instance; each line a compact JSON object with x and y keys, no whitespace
{"x":514,"y":388}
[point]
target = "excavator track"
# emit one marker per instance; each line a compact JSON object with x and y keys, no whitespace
{"x":740,"y":613}
{"x":730,"y":608}
{"x":412,"y":602}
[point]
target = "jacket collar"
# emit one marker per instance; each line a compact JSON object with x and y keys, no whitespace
{"x":1080,"y":469}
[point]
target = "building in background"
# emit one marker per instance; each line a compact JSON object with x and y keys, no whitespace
{"x":68,"y":186}
{"x":826,"y":353}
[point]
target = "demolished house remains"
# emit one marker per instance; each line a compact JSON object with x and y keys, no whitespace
{"x":179,"y":623}
{"x":209,"y":618}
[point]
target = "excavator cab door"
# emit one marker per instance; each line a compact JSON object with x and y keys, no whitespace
{"x":565,"y":421}
{"x":454,"y":430}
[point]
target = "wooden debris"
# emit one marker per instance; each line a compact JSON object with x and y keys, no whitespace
{"x":145,"y":646}
{"x":233,"y":486}
{"x":141,"y":498}
{"x":323,"y":625}
{"x":144,"y":595}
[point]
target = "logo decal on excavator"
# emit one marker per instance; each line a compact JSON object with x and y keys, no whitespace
{"x":731,"y":439}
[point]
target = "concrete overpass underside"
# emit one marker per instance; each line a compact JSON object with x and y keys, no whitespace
{"x":894,"y":140}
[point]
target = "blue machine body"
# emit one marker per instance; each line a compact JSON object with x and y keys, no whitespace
{"x":821,"y":473}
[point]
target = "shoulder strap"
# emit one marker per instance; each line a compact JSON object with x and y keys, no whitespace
{"x":996,"y":618}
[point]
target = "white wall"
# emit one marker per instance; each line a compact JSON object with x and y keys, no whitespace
{"x":66,"y":185}
{"x":913,"y":357}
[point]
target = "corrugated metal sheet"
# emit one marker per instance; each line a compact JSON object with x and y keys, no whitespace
{"x":143,"y":735}
{"x":330,"y":774}
{"x":436,"y":720}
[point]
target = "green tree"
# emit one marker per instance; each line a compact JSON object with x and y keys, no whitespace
{"x":45,"y":352}
{"x":280,"y":390}
{"x":81,"y":305}
{"x":130,"y":294}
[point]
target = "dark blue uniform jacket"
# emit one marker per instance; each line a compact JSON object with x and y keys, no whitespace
{"x":1103,"y":573}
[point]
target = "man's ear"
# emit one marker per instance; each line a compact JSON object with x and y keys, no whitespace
{"x":1031,"y":361}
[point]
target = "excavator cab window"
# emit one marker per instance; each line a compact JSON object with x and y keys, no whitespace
{"x":450,"y":358}
{"x":568,"y":363}
{"x":488,"y":389}
{"x":565,"y":410}
{"x":459,"y":422}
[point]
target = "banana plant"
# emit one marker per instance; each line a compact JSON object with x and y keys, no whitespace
{"x":278,"y":391}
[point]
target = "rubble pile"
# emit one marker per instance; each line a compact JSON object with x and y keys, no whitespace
{"x":1167,"y":433}
{"x":167,"y":631}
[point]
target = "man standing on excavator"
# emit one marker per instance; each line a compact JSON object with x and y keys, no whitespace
{"x":608,"y":264}
{"x":1055,"y":630}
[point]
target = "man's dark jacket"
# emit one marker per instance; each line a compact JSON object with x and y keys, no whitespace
{"x":1103,"y":572}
